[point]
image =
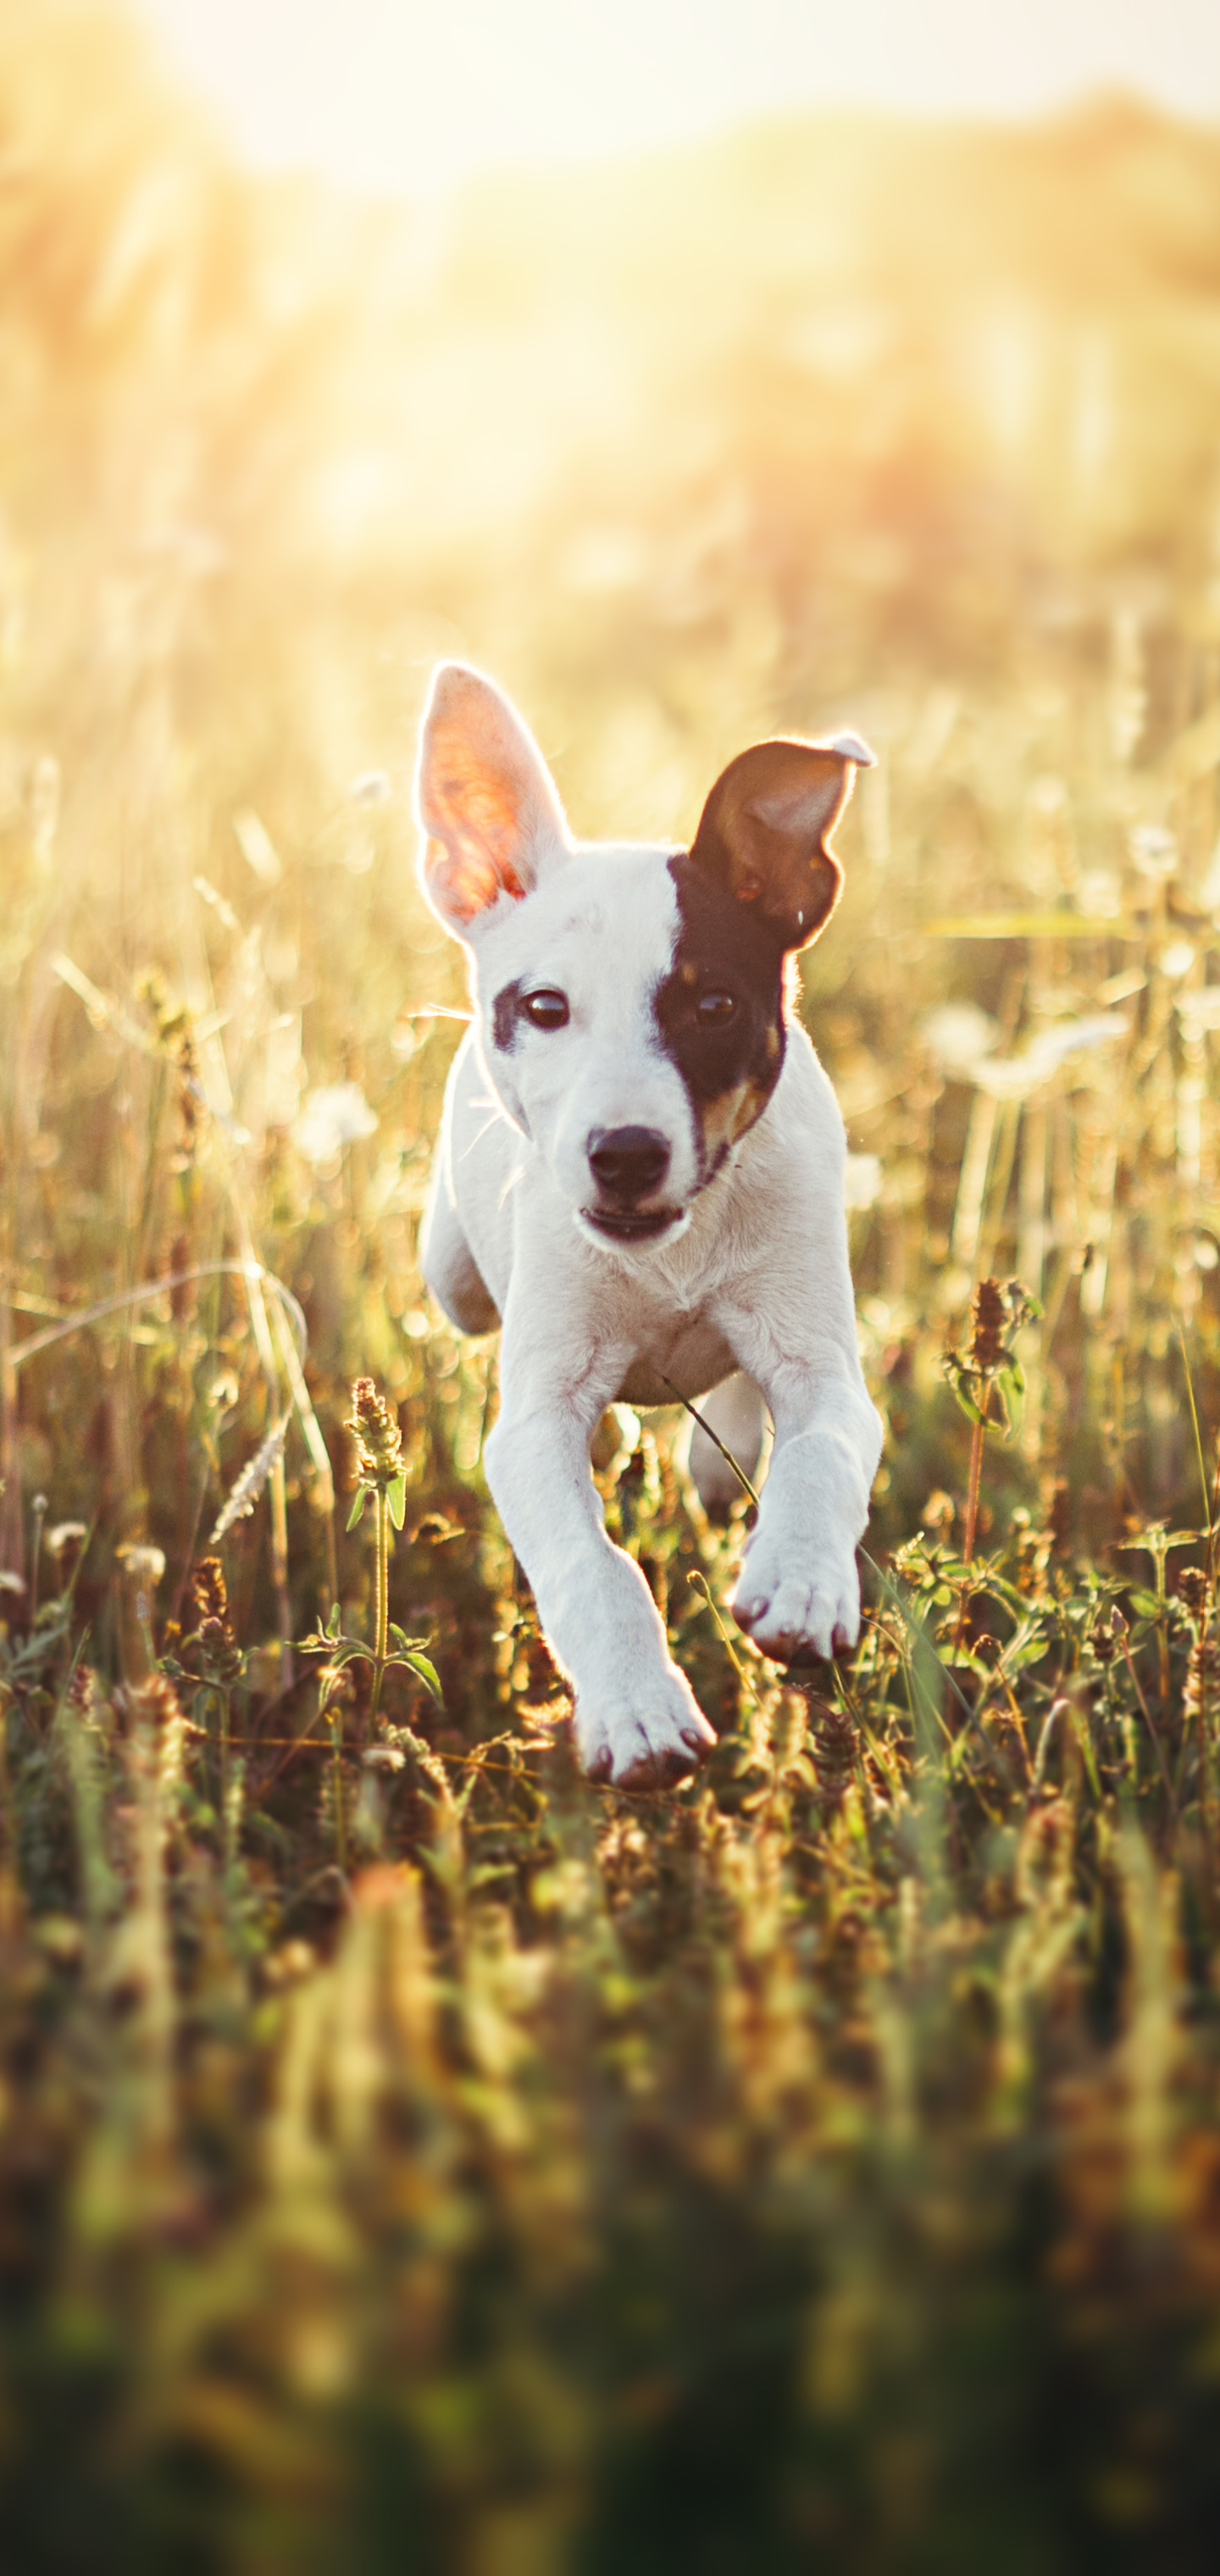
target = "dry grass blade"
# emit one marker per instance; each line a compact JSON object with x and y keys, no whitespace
{"x":251,"y":1481}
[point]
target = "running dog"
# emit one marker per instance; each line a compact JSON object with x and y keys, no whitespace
{"x":640,"y":1178}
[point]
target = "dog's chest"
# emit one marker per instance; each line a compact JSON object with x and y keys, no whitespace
{"x":689,"y":1357}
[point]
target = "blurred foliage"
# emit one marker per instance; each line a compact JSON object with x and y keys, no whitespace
{"x":404,"y":2147}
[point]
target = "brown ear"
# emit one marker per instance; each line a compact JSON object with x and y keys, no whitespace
{"x":765,"y":827}
{"x":484,"y":798}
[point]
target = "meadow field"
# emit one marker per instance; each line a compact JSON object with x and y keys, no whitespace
{"x":410,"y":2155}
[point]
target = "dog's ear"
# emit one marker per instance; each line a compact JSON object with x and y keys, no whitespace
{"x":765,"y":828}
{"x":484,"y":799}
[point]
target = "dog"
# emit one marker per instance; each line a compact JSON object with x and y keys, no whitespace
{"x":639,"y":1178}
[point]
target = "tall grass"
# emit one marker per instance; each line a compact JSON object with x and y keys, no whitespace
{"x":407,"y":2149}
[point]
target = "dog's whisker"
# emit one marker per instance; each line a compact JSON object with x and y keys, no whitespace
{"x":485,"y":1130}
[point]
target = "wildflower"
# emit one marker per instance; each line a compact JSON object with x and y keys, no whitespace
{"x":378,"y":1438}
{"x":1192,"y":1590}
{"x":988,"y":1318}
{"x":10,"y":1582}
{"x":209,"y":1590}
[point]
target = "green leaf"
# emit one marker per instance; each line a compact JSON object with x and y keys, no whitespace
{"x":332,"y":1624}
{"x":1031,"y":1651}
{"x":396,"y":1497}
{"x":968,"y":1405}
{"x":427,"y":1674}
{"x":1011,"y":1383}
{"x":357,"y":1511}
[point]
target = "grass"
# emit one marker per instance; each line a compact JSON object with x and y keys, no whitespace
{"x":407,"y":2151}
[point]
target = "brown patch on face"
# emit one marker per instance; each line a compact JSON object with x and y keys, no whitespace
{"x":724,"y":1121}
{"x":719,"y":1011}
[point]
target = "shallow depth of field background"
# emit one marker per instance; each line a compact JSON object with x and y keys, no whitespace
{"x":409,"y":2155}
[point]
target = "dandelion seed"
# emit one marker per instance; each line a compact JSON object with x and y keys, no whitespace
{"x":144,"y":1568}
{"x":142,"y":1564}
{"x":251,"y":1481}
{"x":335,"y":1115}
{"x":64,"y":1538}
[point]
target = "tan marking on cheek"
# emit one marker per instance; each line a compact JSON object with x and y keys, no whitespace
{"x":728,"y":1119}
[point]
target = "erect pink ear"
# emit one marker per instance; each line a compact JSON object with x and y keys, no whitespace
{"x":484,"y":798}
{"x":765,"y":828}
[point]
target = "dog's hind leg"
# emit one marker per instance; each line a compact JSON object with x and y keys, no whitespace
{"x":447,"y":1262}
{"x":737,"y":1415}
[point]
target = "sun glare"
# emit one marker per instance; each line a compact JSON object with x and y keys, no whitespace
{"x":392,"y":94}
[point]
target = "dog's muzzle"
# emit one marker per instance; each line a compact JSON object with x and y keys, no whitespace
{"x":628,"y":1164}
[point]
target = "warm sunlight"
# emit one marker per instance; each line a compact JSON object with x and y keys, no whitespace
{"x":440,"y":2130}
{"x":402,"y":95}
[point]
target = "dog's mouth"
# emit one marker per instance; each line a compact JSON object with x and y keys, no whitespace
{"x":632,"y":1225}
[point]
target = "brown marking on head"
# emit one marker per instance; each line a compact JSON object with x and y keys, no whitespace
{"x":764,"y":831}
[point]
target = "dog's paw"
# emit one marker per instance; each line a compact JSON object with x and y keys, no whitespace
{"x":644,"y":1734}
{"x":794,"y":1603}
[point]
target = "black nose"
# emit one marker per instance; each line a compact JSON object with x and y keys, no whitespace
{"x":630,"y":1160}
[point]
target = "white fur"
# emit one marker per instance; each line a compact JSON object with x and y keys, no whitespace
{"x":752,"y":1275}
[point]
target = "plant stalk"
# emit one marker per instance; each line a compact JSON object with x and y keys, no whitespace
{"x":381,"y":1505}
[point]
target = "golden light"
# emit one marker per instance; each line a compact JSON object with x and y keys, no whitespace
{"x":400,"y":95}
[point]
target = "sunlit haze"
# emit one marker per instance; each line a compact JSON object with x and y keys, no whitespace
{"x":403,"y":95}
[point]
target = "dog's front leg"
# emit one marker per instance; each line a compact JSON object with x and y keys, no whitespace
{"x":799,"y":1590}
{"x":637,"y":1720}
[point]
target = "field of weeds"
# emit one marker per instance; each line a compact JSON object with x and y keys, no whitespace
{"x":409,"y":2154}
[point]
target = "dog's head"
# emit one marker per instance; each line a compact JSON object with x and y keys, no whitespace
{"x":630,"y":1000}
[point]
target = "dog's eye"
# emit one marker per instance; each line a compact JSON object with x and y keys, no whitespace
{"x":715,"y":1010}
{"x":546,"y":1009}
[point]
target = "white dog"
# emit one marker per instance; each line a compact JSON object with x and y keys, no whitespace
{"x":640,"y":1174}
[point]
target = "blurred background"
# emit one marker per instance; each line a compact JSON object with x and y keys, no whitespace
{"x":699,"y":372}
{"x":673,"y":368}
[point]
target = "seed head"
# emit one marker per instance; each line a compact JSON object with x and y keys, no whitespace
{"x":64,"y":1538}
{"x":1192,"y":1590}
{"x":156,"y":1701}
{"x":1202,"y":1678}
{"x":208,"y":1589}
{"x":80,"y":1691}
{"x":378,"y":1438}
{"x":143,"y":1567}
{"x":987,"y":1322}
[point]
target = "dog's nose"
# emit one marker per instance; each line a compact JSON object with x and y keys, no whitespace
{"x":629,"y":1160}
